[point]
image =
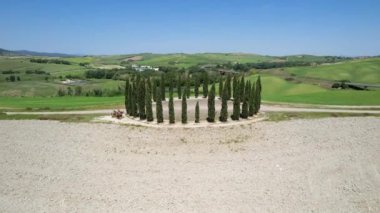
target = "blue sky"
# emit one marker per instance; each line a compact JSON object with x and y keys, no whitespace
{"x":272,"y":27}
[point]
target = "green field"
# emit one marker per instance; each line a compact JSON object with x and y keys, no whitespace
{"x":359,"y":71}
{"x":276,"y":89}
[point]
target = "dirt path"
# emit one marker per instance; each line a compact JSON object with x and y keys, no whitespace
{"x":203,"y":109}
{"x":324,"y":165}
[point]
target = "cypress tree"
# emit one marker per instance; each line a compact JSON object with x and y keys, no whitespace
{"x":148,"y":102}
{"x":205,"y":84}
{"x":134,"y":96}
{"x":244,"y":110}
{"x":224,"y":111}
{"x":154,"y":90}
{"x":187,"y":90}
{"x":171,"y":109}
{"x":241,"y":89}
{"x":126,"y":95}
{"x":197,"y":112}
{"x":170,"y":87}
{"x":179,"y":86}
{"x":211,"y":104}
{"x":228,"y":85}
{"x":141,"y":97}
{"x":159,"y":115}
{"x":149,"y":85}
{"x":220,"y":87}
{"x":236,"y":107}
{"x":184,"y":109}
{"x":258,"y":95}
{"x":196,"y":87}
{"x":162,"y":87}
{"x":252,"y":104}
{"x":235,"y":86}
{"x":129,"y":107}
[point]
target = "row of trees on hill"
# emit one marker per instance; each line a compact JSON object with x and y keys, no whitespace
{"x":50,"y":61}
{"x":141,"y":92}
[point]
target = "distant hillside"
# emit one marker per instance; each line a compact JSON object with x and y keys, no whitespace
{"x":4,"y":52}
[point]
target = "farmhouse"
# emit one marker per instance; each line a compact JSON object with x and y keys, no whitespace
{"x":143,"y":68}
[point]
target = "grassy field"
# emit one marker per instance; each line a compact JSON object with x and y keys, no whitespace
{"x":361,"y":71}
{"x":23,"y":64}
{"x":40,"y":88}
{"x":60,"y":103}
{"x":278,"y":90}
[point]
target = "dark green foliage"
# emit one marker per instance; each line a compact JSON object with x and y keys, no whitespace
{"x":252,"y":104}
{"x":126,"y":94}
{"x":224,"y":111}
{"x":244,"y":110}
{"x":205,"y":84}
{"x":162,"y":87}
{"x":258,"y":95}
{"x":236,"y":107}
{"x":184,"y":109}
{"x":61,"y":92}
{"x":228,"y":86}
{"x":211,"y":104}
{"x":149,"y":85}
{"x":141,"y":97}
{"x":196,"y":87}
{"x":220,"y":87}
{"x":235,"y":86}
{"x":171,"y":109}
{"x":197,"y":112}
{"x":159,"y":115}
{"x":130,"y":99}
{"x":242,"y":89}
{"x":148,"y":101}
{"x":170,"y":88}
{"x":187,"y":90}
{"x":154,"y":90}
{"x":179,"y":86}
{"x":69,"y":91}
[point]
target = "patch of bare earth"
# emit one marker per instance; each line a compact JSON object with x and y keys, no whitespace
{"x":324,"y":165}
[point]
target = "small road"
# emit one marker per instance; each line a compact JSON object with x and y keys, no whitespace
{"x":203,"y":105}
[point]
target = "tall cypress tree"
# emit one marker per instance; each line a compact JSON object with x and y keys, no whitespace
{"x":171,"y":109}
{"x":220,"y":87}
{"x":205,"y":84}
{"x":148,"y":101}
{"x":154,"y":90}
{"x":236,"y":107}
{"x":170,"y":87}
{"x":235,"y":86}
{"x":159,"y":115}
{"x":211,"y":104}
{"x":244,"y":110}
{"x":187,"y":90}
{"x":224,"y":111}
{"x":196,"y":87}
{"x":179,"y":86}
{"x":242,"y":89}
{"x":197,"y":112}
{"x":134,"y":101}
{"x":126,"y":95}
{"x":252,"y":105}
{"x":162,"y":87}
{"x":130,"y":99}
{"x":258,"y":95}
{"x":184,"y":109}
{"x":228,"y":85}
{"x":141,"y":97}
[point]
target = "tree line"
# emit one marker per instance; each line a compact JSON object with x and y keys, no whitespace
{"x":141,"y":92}
{"x":51,"y":61}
